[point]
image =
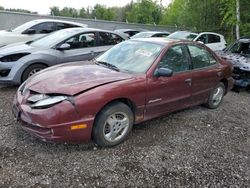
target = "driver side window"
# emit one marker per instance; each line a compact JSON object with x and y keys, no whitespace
{"x":175,"y":59}
{"x":83,"y":40}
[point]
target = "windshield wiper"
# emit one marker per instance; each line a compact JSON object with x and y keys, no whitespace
{"x":106,"y":64}
{"x":29,"y":42}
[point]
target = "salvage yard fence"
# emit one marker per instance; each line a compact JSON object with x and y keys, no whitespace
{"x":10,"y":20}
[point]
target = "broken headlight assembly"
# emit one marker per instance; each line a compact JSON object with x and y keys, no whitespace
{"x":13,"y":57}
{"x":41,"y":101}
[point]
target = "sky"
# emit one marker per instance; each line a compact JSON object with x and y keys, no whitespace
{"x":42,"y":6}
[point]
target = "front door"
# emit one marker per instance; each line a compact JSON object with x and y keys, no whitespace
{"x":167,"y":94}
{"x":82,"y":47}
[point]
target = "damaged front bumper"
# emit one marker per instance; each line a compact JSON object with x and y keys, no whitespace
{"x":54,"y":123}
{"x":241,"y":77}
{"x":241,"y":65}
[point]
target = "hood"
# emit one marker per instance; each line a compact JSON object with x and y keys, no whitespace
{"x":73,"y":78}
{"x":237,"y":60}
{"x":16,"y":48}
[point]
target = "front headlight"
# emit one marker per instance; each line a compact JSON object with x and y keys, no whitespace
{"x":45,"y":101}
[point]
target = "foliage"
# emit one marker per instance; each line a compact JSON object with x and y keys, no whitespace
{"x":197,"y":15}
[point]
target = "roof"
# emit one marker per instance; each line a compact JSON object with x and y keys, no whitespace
{"x":154,"y":32}
{"x":59,"y":21}
{"x":159,"y":40}
{"x":75,"y":30}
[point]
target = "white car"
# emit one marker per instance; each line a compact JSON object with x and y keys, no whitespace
{"x":35,"y":29}
{"x":214,"y":41}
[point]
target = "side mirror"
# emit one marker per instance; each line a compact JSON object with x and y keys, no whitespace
{"x":64,"y":46}
{"x":200,"y":41}
{"x":164,"y":72}
{"x":30,"y":31}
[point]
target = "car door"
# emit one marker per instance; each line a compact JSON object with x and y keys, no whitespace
{"x":206,"y":73}
{"x":82,"y":47}
{"x":167,"y":94}
{"x":214,"y":42}
{"x":106,"y":40}
{"x":39,"y":30}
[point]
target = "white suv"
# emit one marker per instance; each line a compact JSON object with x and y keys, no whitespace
{"x":34,"y":29}
{"x":214,"y":41}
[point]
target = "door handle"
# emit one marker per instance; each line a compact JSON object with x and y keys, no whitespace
{"x":92,"y":53}
{"x":189,"y":81}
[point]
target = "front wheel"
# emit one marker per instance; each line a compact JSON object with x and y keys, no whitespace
{"x":113,"y":125}
{"x":32,"y":69}
{"x":216,"y":96}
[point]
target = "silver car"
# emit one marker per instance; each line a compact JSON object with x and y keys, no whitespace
{"x":21,"y":60}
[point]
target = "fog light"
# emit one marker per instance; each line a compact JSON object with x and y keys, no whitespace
{"x":76,"y":127}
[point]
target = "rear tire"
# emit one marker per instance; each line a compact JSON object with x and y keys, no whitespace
{"x":113,"y":124}
{"x":216,"y":96}
{"x":32,"y":69}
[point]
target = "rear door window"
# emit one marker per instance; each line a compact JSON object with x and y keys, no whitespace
{"x":213,"y":38}
{"x":44,"y":28}
{"x":106,"y":39}
{"x":60,"y":26}
{"x":200,"y":57}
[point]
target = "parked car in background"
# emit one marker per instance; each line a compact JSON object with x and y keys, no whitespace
{"x":214,"y":41}
{"x":35,"y":29}
{"x":146,"y":34}
{"x":183,"y":35}
{"x":20,"y":61}
{"x":238,"y":53}
{"x":128,"y":32}
{"x":134,"y":81}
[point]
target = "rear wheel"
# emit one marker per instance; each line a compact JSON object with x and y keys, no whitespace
{"x":31,"y":70}
{"x":216,"y":96}
{"x":113,"y":125}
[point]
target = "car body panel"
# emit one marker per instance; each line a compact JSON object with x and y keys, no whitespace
{"x":203,"y":38}
{"x":238,"y":54}
{"x":91,"y":87}
{"x":16,"y":35}
{"x":47,"y":55}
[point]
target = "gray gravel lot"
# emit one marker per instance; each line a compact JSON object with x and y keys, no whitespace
{"x":196,"y":147}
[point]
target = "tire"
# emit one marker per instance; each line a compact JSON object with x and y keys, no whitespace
{"x":32,"y":69}
{"x":108,"y":128}
{"x":216,"y":96}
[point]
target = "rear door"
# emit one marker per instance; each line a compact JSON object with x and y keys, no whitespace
{"x":167,"y":94}
{"x":214,"y":42}
{"x":206,"y":73}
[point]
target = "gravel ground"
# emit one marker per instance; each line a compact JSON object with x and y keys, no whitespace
{"x":196,"y":147}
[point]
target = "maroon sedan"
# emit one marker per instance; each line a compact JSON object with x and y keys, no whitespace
{"x":134,"y":81}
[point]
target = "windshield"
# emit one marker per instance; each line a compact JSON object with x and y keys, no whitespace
{"x":182,"y":35}
{"x":52,"y":39}
{"x":132,"y":56}
{"x":142,"y":35}
{"x":24,"y":27}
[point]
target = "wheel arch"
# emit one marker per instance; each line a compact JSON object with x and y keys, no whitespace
{"x":225,"y":82}
{"x":123,"y":100}
{"x":32,"y":64}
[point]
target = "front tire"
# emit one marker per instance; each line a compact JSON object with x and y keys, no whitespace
{"x":112,"y":124}
{"x":216,"y":96}
{"x":32,"y":69}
